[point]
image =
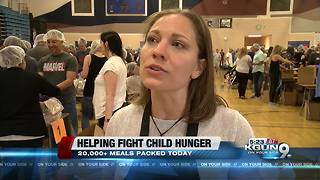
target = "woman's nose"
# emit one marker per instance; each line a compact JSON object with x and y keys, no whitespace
{"x":160,"y":50}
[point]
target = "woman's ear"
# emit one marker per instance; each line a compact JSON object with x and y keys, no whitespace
{"x":202,"y":63}
{"x":106,"y":47}
{"x":106,"y":44}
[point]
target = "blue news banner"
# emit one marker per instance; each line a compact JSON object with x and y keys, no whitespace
{"x":202,"y":157}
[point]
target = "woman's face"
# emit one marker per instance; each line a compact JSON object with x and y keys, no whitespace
{"x":103,"y":47}
{"x":82,"y":47}
{"x":169,"y":57}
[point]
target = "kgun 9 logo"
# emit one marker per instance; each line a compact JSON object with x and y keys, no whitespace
{"x":268,"y":148}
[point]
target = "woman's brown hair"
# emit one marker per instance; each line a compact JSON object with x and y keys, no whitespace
{"x":277,"y":50}
{"x":201,"y":100}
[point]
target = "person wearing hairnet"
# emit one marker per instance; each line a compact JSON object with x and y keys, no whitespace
{"x":21,"y":119}
{"x":40,"y":48}
{"x":31,"y":63}
{"x":27,"y":44}
{"x":60,"y":69}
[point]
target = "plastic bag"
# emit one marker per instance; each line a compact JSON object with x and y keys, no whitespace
{"x":51,"y":109}
{"x":79,"y":85}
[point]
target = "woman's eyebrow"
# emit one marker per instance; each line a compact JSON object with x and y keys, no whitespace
{"x":175,"y":35}
{"x":155,"y":31}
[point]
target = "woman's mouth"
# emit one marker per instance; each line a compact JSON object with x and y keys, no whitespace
{"x":155,"y":67}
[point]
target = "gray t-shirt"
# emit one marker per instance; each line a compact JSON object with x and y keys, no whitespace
{"x":31,"y":64}
{"x":54,"y":69}
{"x":38,"y":52}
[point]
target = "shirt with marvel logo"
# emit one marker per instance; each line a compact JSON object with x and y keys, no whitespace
{"x":54,"y":69}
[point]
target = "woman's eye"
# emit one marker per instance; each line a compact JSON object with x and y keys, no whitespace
{"x":151,"y":39}
{"x":178,"y":44}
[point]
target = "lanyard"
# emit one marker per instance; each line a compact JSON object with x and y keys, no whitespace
{"x":192,"y":129}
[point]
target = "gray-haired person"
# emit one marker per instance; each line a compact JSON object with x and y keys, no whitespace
{"x":21,"y":119}
{"x":82,"y":52}
{"x":60,"y":69}
{"x":258,"y":69}
{"x":133,"y":81}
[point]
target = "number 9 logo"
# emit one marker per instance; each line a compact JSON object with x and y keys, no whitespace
{"x":284,"y":150}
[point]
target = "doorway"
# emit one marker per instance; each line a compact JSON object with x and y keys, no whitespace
{"x":263,"y":41}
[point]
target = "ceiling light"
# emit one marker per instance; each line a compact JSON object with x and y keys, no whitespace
{"x":254,"y":35}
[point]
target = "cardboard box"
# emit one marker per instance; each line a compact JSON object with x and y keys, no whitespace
{"x":287,"y":74}
{"x":289,"y":98}
{"x":311,"y":111}
{"x":289,"y":85}
{"x":307,"y":75}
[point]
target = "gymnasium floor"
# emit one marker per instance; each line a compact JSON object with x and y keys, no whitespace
{"x":284,"y":123}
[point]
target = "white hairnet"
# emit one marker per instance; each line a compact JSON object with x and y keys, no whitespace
{"x":83,"y":41}
{"x":11,"y":56}
{"x":13,"y":41}
{"x":54,"y":34}
{"x":27,"y":44}
{"x":38,"y":39}
{"x":95,"y":45}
